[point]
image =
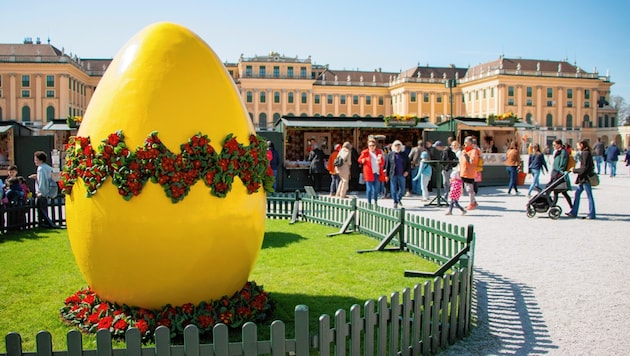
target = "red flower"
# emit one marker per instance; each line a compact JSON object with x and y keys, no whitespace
{"x":142,"y":325}
{"x":205,"y":321}
{"x":231,"y":145}
{"x":121,"y":325}
{"x":188,"y":308}
{"x":93,"y":318}
{"x":106,"y":322}
{"x":113,"y":139}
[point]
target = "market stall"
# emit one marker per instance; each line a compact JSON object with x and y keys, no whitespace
{"x":493,"y":137}
{"x":299,"y":133}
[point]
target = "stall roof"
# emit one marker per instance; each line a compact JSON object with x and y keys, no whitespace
{"x":4,"y":129}
{"x":477,"y":122}
{"x":57,"y":125}
{"x":344,"y":122}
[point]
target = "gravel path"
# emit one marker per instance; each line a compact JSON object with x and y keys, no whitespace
{"x":543,"y":286}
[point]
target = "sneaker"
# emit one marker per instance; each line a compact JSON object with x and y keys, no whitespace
{"x":400,"y":203}
{"x":395,"y":206}
{"x":448,"y":213}
{"x":570,"y":215}
{"x":463,"y":212}
{"x":472,"y":206}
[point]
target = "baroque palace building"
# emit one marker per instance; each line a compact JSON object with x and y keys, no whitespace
{"x":39,"y":83}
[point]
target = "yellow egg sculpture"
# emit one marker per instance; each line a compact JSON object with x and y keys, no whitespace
{"x":150,"y":249}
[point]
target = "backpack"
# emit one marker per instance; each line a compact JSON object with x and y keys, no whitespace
{"x":570,"y":162}
{"x":339,"y":161}
{"x":450,"y":156}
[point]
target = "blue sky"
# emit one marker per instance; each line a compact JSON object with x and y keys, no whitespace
{"x":365,"y":35}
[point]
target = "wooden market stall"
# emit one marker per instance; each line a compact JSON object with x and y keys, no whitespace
{"x":493,"y":137}
{"x":329,"y":131}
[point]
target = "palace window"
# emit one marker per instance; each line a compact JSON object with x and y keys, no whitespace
{"x":302,"y":72}
{"x":355,"y":100}
{"x":510,"y":91}
{"x":510,"y":101}
{"x":368,"y":100}
{"x":304,"y":98}
{"x":569,"y":93}
{"x":329,"y":99}
{"x":342,"y":100}
{"x":276,"y":97}
{"x":262,"y":71}
{"x":529,"y":92}
{"x":249,"y":97}
{"x":569,"y":120}
{"x":290,"y":72}
{"x":413,"y":97}
{"x":248,"y":71}
{"x":50,"y":81}
{"x":263,"y":97}
{"x":50,"y":113}
{"x":317,"y":99}
{"x":26,"y":80}
{"x":549,"y":92}
{"x":425,"y":97}
{"x":50,"y":93}
{"x":276,"y":71}
{"x":290,"y":98}
{"x":26,"y":93}
{"x":549,"y":122}
{"x":381,"y":101}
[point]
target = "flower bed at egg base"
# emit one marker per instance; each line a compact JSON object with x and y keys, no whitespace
{"x":86,"y":311}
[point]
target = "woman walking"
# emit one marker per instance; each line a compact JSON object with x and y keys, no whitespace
{"x":512,"y":162}
{"x":536,"y":165}
{"x":585,"y":170}
{"x":373,"y":162}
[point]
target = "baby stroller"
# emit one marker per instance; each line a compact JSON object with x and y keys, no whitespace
{"x":544,"y":202}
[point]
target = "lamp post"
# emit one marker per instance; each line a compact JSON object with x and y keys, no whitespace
{"x":450,"y":84}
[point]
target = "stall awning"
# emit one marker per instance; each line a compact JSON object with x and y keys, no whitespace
{"x":324,"y":122}
{"x":482,"y":124}
{"x":6,"y":128}
{"x":57,"y":126}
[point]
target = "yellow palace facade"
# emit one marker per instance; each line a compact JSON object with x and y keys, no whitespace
{"x":39,"y":83}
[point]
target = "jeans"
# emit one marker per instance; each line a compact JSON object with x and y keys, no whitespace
{"x":598,"y":162}
{"x":586,"y":186}
{"x":372,"y":189}
{"x":334,"y":182}
{"x":513,"y":171}
{"x":613,"y":168}
{"x":397,"y":188}
{"x":415,"y":184}
{"x":275,"y":179}
{"x":446,"y":180}
{"x":536,"y":183}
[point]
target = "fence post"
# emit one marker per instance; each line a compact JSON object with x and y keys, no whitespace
{"x":302,"y":342}
{"x":401,"y":231}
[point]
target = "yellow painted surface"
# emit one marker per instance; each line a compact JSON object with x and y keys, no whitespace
{"x":149,"y":252}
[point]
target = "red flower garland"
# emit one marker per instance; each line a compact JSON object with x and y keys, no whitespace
{"x":176,"y":173}
{"x":85,"y":310}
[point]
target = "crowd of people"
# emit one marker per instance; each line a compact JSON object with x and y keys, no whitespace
{"x":397,"y":171}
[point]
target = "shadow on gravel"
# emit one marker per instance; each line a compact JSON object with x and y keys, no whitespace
{"x":507,"y":320}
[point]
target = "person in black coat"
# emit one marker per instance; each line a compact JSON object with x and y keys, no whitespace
{"x":397,"y":168}
{"x":317,"y":168}
{"x":584,"y":171}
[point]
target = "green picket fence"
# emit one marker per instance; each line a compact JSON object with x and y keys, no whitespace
{"x":418,"y":321}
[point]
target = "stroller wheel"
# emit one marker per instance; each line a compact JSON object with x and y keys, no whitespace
{"x":531,"y":212}
{"x":554,"y":212}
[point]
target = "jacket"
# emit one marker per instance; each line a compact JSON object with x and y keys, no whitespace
{"x":512,"y":158}
{"x":537,"y":161}
{"x":560,"y":160}
{"x":585,"y":168}
{"x":612,"y":153}
{"x":331,"y":163}
{"x":390,"y":163}
{"x":468,"y":167}
{"x":364,"y":159}
{"x":316,"y":157}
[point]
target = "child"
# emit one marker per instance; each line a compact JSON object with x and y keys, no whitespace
{"x":424,"y":174}
{"x":15,"y":194}
{"x":455,"y":193}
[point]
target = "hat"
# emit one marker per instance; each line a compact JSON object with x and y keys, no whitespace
{"x":424,"y":155}
{"x":438,"y":144}
{"x":337,"y":147}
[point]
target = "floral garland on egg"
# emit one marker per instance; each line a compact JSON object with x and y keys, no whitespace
{"x":176,"y":173}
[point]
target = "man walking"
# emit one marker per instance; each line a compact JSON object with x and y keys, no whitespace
{"x":598,"y":153}
{"x":396,"y":171}
{"x":612,"y":156}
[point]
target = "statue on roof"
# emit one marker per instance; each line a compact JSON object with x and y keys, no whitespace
{"x":538,"y":67}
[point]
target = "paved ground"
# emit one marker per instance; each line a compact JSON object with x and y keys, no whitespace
{"x":543,"y":286}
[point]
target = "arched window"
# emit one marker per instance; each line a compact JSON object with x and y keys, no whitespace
{"x":356,"y":115}
{"x":606,"y":122}
{"x":303,"y":114}
{"x":276,"y":117}
{"x":528,"y":118}
{"x":50,"y":113}
{"x":549,"y":120}
{"x":262,"y":120}
{"x":342,"y":115}
{"x":26,"y":113}
{"x":569,"y":121}
{"x":329,"y":115}
{"x":316,"y":115}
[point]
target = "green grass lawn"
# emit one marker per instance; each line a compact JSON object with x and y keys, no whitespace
{"x":298,"y":264}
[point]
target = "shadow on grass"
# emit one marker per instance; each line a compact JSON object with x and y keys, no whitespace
{"x":34,"y":234}
{"x":277,"y":239}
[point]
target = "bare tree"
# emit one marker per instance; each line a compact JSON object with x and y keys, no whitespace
{"x":623,"y":110}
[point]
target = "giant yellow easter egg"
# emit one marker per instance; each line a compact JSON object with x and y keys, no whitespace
{"x":162,"y":245}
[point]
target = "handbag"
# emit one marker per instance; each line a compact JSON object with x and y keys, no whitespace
{"x":593,"y":179}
